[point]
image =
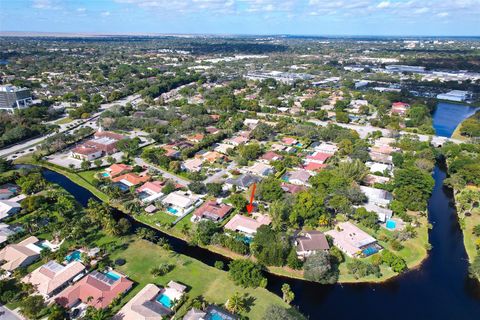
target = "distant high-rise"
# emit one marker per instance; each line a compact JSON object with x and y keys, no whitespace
{"x":12,"y":98}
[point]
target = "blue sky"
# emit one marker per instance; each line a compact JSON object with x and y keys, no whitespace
{"x":318,"y":17}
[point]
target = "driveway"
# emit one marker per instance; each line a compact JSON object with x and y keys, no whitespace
{"x":217,"y":177}
{"x":7,"y":314}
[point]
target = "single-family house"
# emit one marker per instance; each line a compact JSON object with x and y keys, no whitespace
{"x":150,"y":191}
{"x":192,"y":165}
{"x":223,"y":148}
{"x":378,"y":167}
{"x":246,"y":224}
{"x":260,"y":169}
{"x":7,"y":208}
{"x":291,"y":188}
{"x":400,"y":108}
{"x":382,"y":213}
{"x":196,"y":138}
{"x":299,"y":177}
{"x":371,"y":179}
{"x":325,"y":147}
{"x":97,"y":289}
{"x":270,"y":156}
{"x":117,"y":169}
{"x":181,"y":202}
{"x":376,"y":196}
{"x":212,"y":156}
{"x":132,"y":179}
{"x":310,"y":242}
{"x":352,"y":240}
{"x":151,"y":303}
{"x":211,"y":210}
{"x":243,"y":182}
{"x":289,"y":141}
{"x":236,"y":141}
{"x":21,"y":254}
{"x":8,"y":190}
{"x":318,"y":157}
{"x":53,"y":277}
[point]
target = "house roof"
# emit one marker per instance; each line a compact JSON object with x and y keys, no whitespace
{"x":96,"y":285}
{"x":193,"y":164}
{"x":350,"y":238}
{"x":246,"y":224}
{"x":270,"y":156}
{"x":311,"y":241}
{"x":289,"y":141}
{"x":292,"y":188}
{"x":118,"y":168}
{"x":244,"y":181}
{"x":143,"y":306}
{"x":313,"y":166}
{"x":259,"y":168}
{"x":300,"y":175}
{"x":213,"y":210}
{"x":319,"y":156}
{"x":16,"y":254}
{"x":194,"y":314}
{"x":180,"y":199}
{"x":53,"y":275}
{"x":152,"y":186}
{"x":132,"y":178}
{"x":85,"y":150}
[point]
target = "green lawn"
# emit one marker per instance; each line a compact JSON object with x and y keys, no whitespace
{"x":469,"y":239}
{"x":64,"y":121}
{"x":213,"y":284}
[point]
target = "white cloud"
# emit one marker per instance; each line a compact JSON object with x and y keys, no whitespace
{"x":81,"y":9}
{"x":443,"y":14}
{"x":45,"y":4}
{"x":105,"y":13}
{"x":383,"y":4}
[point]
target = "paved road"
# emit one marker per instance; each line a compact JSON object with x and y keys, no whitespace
{"x":7,"y":314}
{"x":166,"y":174}
{"x":29,"y":146}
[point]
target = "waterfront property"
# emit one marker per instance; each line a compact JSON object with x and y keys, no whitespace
{"x":52,"y":277}
{"x":310,"y":242}
{"x":7,"y":208}
{"x":353,"y":241}
{"x":247,"y":225}
{"x":102,"y":287}
{"x":180,"y":202}
{"x":151,"y":303}
{"x":211,"y":210}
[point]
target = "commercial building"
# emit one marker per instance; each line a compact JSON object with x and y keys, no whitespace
{"x":13,"y":98}
{"x":455,"y":95}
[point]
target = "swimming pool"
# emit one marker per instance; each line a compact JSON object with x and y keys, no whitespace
{"x":121,"y":186}
{"x":369,"y":251}
{"x":391,"y":224}
{"x":74,"y":256}
{"x":172,"y":210}
{"x":112,"y":275}
{"x":165,"y":301}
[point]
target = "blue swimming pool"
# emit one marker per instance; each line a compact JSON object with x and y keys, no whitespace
{"x":112,"y":275}
{"x":165,"y":301}
{"x":172,"y":210}
{"x":369,"y":251}
{"x":74,"y":256}
{"x":105,"y":174}
{"x":391,"y":224}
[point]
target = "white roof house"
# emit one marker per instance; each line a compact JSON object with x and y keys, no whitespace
{"x":260,"y":169}
{"x":8,"y":208}
{"x":382,"y":213}
{"x":181,"y":200}
{"x":376,"y":196}
{"x":350,"y":239}
{"x":378,"y":167}
{"x":325,"y":147}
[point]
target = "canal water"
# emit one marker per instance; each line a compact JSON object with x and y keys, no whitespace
{"x":439,"y":289}
{"x":448,"y":116}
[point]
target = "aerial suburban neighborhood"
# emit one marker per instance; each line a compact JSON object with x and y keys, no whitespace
{"x":238,"y":177}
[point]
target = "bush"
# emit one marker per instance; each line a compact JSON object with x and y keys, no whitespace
{"x":246,"y":273}
{"x":396,"y":263}
{"x":219,"y":265}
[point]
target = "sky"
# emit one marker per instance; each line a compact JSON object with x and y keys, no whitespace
{"x":300,"y":17}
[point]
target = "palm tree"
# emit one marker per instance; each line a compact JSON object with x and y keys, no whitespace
{"x":236,"y":303}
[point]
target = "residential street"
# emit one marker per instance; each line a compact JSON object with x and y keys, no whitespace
{"x":166,"y":174}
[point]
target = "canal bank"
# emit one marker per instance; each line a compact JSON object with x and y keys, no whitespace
{"x":440,"y":289}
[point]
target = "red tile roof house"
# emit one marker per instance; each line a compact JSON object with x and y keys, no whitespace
{"x":132,"y":179}
{"x":314,"y":167}
{"x":211,"y":210}
{"x":318,"y":157}
{"x":196,"y":138}
{"x":118,"y":169}
{"x":292,"y":188}
{"x":400,"y":108}
{"x":100,"y":286}
{"x":152,"y":190}
{"x":289,"y":141}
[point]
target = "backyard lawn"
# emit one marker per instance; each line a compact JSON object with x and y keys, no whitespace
{"x":213,"y":284}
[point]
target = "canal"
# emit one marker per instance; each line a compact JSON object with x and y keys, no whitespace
{"x":439,"y":289}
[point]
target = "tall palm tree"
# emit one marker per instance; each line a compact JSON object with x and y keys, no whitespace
{"x":236,"y":303}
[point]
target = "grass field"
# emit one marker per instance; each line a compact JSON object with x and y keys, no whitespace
{"x":469,"y":239}
{"x":212,"y":284}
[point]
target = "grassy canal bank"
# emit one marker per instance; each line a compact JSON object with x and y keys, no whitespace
{"x":414,"y":251}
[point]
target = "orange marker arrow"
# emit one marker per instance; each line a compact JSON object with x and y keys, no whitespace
{"x":250,"y":205}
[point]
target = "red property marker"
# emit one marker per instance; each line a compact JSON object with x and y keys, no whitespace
{"x":250,"y":205}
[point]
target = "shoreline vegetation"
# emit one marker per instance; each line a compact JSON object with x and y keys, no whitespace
{"x":415,"y":250}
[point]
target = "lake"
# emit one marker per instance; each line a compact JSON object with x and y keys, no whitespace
{"x":448,"y":116}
